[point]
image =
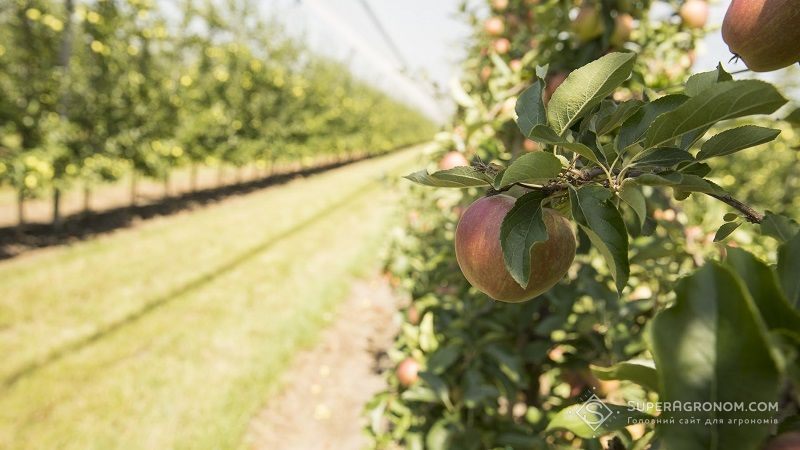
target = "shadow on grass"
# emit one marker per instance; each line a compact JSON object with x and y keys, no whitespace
{"x":193,"y":285}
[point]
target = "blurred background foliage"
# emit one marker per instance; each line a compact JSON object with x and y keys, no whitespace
{"x":94,"y":90}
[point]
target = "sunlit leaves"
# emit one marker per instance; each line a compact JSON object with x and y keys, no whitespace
{"x":586,"y":87}
{"x":536,"y":167}
{"x":641,"y":372}
{"x":736,"y":139}
{"x":457,"y":177}
{"x":723,"y":101}
{"x":530,"y":108}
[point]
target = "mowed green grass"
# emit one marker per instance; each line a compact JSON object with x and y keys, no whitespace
{"x":172,"y":334}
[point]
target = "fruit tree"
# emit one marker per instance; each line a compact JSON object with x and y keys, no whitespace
{"x":638,"y":159}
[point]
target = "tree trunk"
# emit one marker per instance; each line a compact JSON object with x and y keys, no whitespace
{"x":64,"y":54}
{"x":193,"y":178}
{"x":57,"y":222}
{"x":21,"y":209}
{"x":166,"y":185}
{"x":87,"y":197}
{"x":133,"y":189}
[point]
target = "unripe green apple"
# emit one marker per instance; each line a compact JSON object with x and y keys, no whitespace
{"x":694,"y":13}
{"x":588,"y":24}
{"x":622,"y":30}
{"x":480,"y":256}
{"x":765,"y":34}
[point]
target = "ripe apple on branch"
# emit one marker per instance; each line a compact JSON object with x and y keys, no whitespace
{"x":597,"y":155}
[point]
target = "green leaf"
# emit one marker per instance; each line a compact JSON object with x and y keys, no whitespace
{"x":677,"y":180}
{"x":574,"y":418}
{"x":789,"y":269}
{"x":457,"y":177}
{"x":443,"y":358}
{"x":508,"y":361}
{"x":536,"y":167}
{"x":522,"y":227}
{"x":793,"y":117}
{"x":661,"y":157}
{"x":601,"y":220}
{"x":699,"y":82}
{"x":530,"y":108}
{"x":438,"y":386}
{"x":546,"y":135}
{"x":779,"y":227}
{"x":730,"y":217}
{"x":633,"y":197}
{"x":696,"y":168}
{"x":477,"y":389}
{"x":498,"y":178}
{"x":460,"y":95}
{"x":439,"y":436}
{"x":764,"y":287}
{"x":689,"y":139}
{"x":725,"y":230}
{"x":723,"y":101}
{"x":736,"y":139}
{"x":634,"y":128}
{"x":641,"y":372}
{"x":427,"y":336}
{"x":712,"y":346}
{"x":622,"y":112}
{"x":586,"y":87}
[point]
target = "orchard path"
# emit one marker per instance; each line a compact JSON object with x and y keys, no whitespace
{"x":177,"y":333}
{"x":325,"y":389}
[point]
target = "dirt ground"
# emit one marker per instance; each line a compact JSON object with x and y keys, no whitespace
{"x":321,"y":403}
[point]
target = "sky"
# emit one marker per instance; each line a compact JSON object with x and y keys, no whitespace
{"x":430,"y":37}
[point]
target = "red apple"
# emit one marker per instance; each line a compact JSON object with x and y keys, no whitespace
{"x":408,"y":372}
{"x":694,"y":13}
{"x":453,"y":159}
{"x":530,"y":146}
{"x":480,"y":256}
{"x":494,"y":26}
{"x":500,"y":5}
{"x":412,"y":314}
{"x":765,"y":34}
{"x":553,"y":82}
{"x":486,"y":73}
{"x":785,"y":441}
{"x":501,"y":46}
{"x":588,"y":24}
